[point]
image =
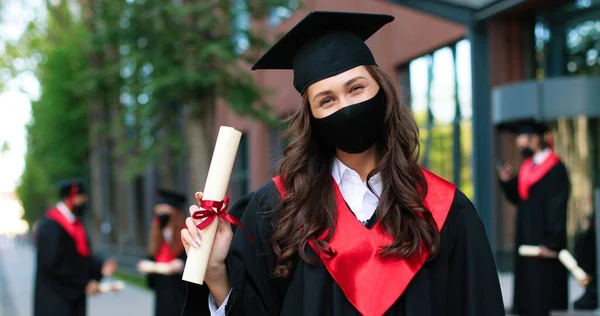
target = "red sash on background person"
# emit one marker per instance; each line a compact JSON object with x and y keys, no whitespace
{"x":76,"y":230}
{"x":530,"y":174}
{"x":372,"y":284}
{"x":164,"y":254}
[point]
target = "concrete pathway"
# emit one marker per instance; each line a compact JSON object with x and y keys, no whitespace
{"x":17,"y":263}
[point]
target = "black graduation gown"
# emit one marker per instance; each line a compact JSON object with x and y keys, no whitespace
{"x":170,"y":291}
{"x":541,"y":285}
{"x":61,"y":273}
{"x":461,"y":281}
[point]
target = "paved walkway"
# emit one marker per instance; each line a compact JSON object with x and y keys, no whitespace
{"x":16,"y":288}
{"x":16,"y":285}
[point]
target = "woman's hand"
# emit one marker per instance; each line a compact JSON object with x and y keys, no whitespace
{"x":505,"y":172}
{"x":190,"y":237}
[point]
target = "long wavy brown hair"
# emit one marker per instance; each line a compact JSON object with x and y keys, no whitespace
{"x":309,"y":201}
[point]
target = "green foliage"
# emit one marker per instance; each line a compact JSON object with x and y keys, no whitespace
{"x":133,"y":62}
{"x":4,"y":148}
{"x":57,"y":141}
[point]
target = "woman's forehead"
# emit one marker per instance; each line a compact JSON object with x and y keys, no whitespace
{"x":339,"y":80}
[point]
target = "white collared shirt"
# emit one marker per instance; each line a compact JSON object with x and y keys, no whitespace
{"x":360,"y":199}
{"x":541,"y":156}
{"x":64,"y":210}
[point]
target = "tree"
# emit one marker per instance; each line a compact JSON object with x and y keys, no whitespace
{"x":57,"y":134}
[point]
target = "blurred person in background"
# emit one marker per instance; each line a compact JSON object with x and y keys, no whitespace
{"x":66,"y":270}
{"x":540,"y":191}
{"x":166,"y":248}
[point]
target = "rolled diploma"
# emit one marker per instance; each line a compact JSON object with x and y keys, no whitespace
{"x":571,"y":264}
{"x":529,"y":251}
{"x":148,"y":266}
{"x":215,"y":189}
{"x":114,"y":286}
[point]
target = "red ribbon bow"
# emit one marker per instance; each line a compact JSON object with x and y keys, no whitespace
{"x":214,"y":209}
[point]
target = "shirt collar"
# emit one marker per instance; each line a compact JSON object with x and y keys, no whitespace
{"x":541,"y":156}
{"x":339,"y":169}
{"x":66,"y":212}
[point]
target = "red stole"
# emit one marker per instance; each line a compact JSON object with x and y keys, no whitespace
{"x":164,"y":254}
{"x":370,"y":283}
{"x":75,"y":230}
{"x":530,"y":175}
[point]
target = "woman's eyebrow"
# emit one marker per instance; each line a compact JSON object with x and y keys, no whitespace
{"x":353,"y":80}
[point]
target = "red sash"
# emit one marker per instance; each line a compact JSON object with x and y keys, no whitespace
{"x":164,"y":254}
{"x":370,"y":283}
{"x":75,"y":230}
{"x":530,"y":175}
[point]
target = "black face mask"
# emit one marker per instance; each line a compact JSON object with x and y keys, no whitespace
{"x":79,"y":210}
{"x":354,"y":128}
{"x":164,"y":219}
{"x":526,"y":152}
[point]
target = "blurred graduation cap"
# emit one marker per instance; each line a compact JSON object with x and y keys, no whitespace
{"x":65,"y":187}
{"x":525,"y":126}
{"x":175,"y":199}
{"x":531,"y":127}
{"x":324,"y":44}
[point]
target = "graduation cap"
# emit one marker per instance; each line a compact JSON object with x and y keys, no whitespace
{"x":531,"y":127}
{"x":175,"y":199}
{"x":65,"y":187}
{"x":323,"y":45}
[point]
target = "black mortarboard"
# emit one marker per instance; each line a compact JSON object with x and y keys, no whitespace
{"x":531,"y":127}
{"x":172,"y":198}
{"x":65,"y":187}
{"x":324,"y":44}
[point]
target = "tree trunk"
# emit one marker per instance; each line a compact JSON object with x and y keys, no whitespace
{"x":200,"y":138}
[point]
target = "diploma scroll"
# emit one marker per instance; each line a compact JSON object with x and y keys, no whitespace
{"x":531,"y":251}
{"x":147,"y":266}
{"x":111,"y":286}
{"x":564,"y":256}
{"x":571,"y":264}
{"x":215,"y":189}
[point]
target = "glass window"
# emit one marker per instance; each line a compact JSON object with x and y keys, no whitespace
{"x":440,"y":97}
{"x":239,"y":176}
{"x":583,"y":46}
{"x":276,"y":147}
{"x":567,"y":40}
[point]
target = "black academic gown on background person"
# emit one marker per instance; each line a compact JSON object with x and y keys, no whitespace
{"x":541,"y":284}
{"x":62,"y":272}
{"x":461,"y":281}
{"x":170,"y":290}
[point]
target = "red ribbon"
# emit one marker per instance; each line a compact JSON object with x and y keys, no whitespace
{"x":214,"y":209}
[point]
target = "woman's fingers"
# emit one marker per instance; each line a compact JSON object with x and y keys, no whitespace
{"x":194,"y":233}
{"x":198,"y":196}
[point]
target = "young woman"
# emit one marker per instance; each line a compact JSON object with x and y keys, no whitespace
{"x":353,"y":225}
{"x":165,"y":248}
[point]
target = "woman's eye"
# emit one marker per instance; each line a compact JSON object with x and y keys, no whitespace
{"x":356,"y":88}
{"x":325,"y":101}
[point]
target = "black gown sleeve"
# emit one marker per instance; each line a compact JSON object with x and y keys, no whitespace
{"x":96,"y":264}
{"x":53,"y":256}
{"x":555,"y":212}
{"x":248,"y":264}
{"x":474,"y":285}
{"x":511,"y":191}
